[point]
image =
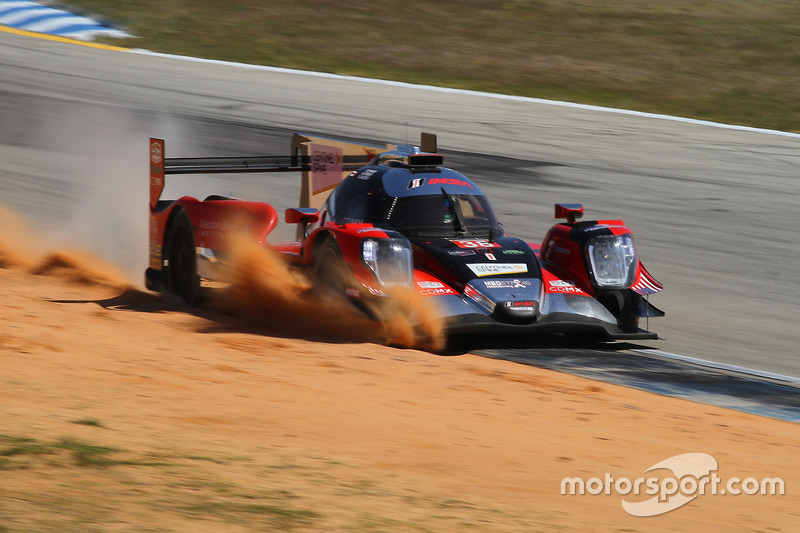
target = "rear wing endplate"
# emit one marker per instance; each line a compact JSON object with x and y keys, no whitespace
{"x":329,"y":162}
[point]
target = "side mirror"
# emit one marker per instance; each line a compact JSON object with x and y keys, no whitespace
{"x":571,"y":212}
{"x":302,"y":215}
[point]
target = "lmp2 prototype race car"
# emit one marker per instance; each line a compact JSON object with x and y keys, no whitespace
{"x":376,"y":219}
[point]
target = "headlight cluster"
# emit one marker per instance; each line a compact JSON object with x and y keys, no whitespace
{"x":613,"y":260}
{"x":390,"y":260}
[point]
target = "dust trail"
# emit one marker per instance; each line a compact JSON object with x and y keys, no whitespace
{"x":21,"y":247}
{"x":18,"y":246}
{"x":81,"y":267}
{"x":77,"y":171}
{"x":264,"y":289}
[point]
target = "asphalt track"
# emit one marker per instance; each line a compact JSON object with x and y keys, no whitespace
{"x":713,"y":209}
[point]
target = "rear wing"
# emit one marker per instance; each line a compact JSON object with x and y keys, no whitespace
{"x":161,"y":166}
{"x":323,"y":162}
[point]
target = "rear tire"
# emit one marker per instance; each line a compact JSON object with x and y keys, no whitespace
{"x":181,"y":269}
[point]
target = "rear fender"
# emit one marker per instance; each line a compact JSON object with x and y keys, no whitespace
{"x":216,"y":223}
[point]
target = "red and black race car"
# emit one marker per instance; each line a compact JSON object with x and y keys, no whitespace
{"x":374,"y":219}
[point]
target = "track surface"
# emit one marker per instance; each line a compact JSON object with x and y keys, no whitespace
{"x":712,"y":209}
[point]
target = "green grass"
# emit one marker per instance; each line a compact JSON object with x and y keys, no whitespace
{"x":81,"y":453}
{"x":171,"y":486}
{"x":88,"y":422}
{"x":76,"y":452}
{"x":279,"y":517}
{"x":734,"y":61}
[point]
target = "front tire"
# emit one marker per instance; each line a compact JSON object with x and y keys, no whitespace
{"x":328,"y":272}
{"x":181,"y":268}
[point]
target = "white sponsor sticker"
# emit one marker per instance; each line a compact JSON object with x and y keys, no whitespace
{"x":430,"y":285}
{"x":506,"y":283}
{"x":562,"y":283}
{"x":493,"y":269}
{"x":156,"y":155}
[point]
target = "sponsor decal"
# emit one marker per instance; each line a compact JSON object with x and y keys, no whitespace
{"x":207,"y":224}
{"x":490,"y":257}
{"x":567,"y":290}
{"x":598,"y":227}
{"x":437,"y":292}
{"x":462,"y":253}
{"x":449,"y":181}
{"x":326,"y":167}
{"x":367,"y":230}
{"x":475,"y":243}
{"x":514,"y":252}
{"x":493,"y":269}
{"x":521,"y":306}
{"x":156,"y":155}
{"x":430,"y":285}
{"x":565,"y":287}
{"x":415,"y":183}
{"x":506,"y":283}
{"x":367,"y":174}
{"x":219,"y":229}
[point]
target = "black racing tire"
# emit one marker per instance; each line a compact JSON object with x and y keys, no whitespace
{"x":181,"y":267}
{"x":329,"y":272}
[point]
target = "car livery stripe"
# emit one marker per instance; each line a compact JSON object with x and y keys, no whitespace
{"x":646,"y":284}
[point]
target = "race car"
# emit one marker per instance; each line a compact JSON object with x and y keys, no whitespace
{"x":377,"y":219}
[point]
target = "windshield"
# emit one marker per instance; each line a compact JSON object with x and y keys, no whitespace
{"x":441,"y":215}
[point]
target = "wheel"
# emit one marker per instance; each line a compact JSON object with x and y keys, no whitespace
{"x":329,"y":271}
{"x":181,"y":268}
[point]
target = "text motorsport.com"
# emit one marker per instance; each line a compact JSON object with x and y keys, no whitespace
{"x":694,"y":474}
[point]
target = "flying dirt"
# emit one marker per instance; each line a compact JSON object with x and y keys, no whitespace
{"x":262,"y":290}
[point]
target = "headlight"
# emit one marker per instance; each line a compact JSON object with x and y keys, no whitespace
{"x":390,"y":260}
{"x":613,"y":260}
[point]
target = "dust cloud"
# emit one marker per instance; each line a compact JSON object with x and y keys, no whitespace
{"x":22,"y":248}
{"x":265,"y":289}
{"x":78,"y":177}
{"x":262,"y":288}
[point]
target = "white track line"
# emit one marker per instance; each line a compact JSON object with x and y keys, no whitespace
{"x":782,"y":379}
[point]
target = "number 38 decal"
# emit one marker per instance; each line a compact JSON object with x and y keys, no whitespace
{"x":476,"y":243}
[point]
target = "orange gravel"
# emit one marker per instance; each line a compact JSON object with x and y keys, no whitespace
{"x":119,"y":412}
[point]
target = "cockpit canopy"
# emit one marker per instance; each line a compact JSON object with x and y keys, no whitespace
{"x":437,"y":202}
